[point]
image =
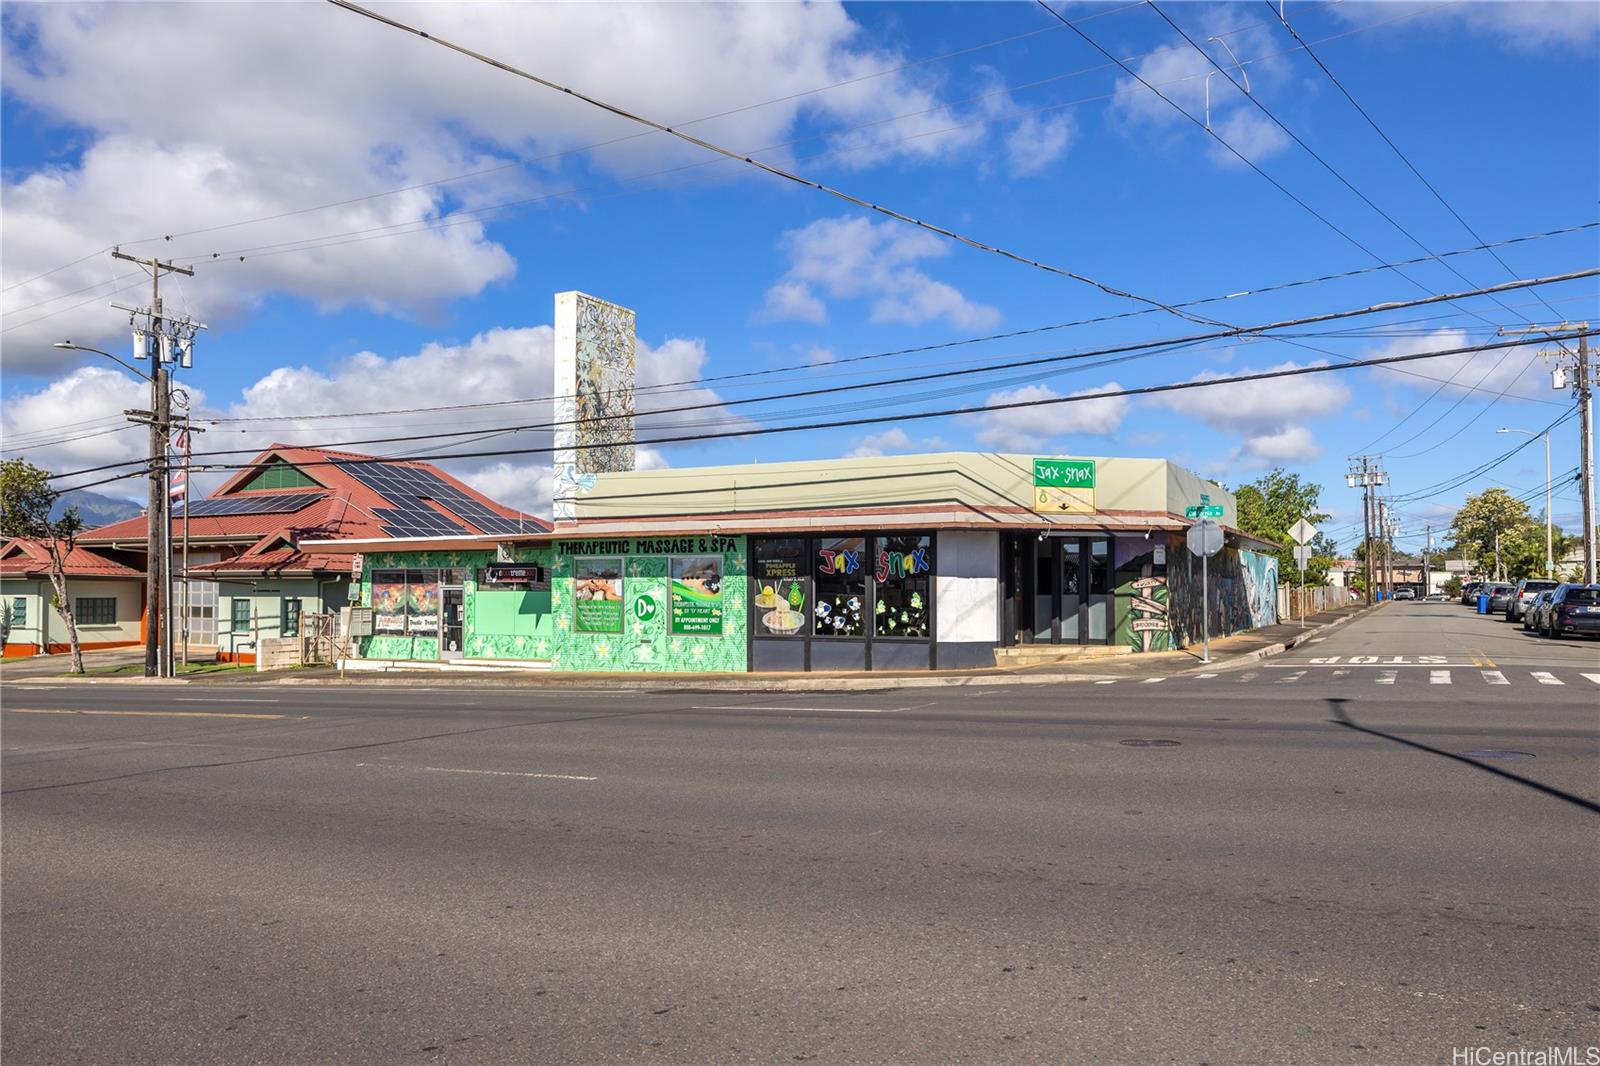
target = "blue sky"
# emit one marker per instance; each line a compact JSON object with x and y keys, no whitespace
{"x":1033,"y":143}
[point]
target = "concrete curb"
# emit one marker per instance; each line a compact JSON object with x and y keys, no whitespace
{"x":74,"y":679}
{"x":691,"y":683}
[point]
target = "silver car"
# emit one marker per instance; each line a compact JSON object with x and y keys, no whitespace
{"x":1527,"y":589}
{"x":1533,"y":614}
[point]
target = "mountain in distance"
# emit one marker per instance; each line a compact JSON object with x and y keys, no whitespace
{"x":96,"y":509}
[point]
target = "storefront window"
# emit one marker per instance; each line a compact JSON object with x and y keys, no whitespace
{"x":841,"y":584}
{"x":781,"y":574}
{"x":597,"y":594}
{"x":696,"y":594}
{"x":405,"y":601}
{"x":902,"y":573}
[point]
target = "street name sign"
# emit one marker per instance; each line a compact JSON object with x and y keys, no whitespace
{"x":1213,"y":511}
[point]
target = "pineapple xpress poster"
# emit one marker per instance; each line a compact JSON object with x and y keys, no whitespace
{"x":696,"y":594}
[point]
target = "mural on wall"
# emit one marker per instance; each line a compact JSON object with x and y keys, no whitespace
{"x":595,"y":366}
{"x":650,"y":642}
{"x":1260,"y":574}
{"x":1243,"y":592}
{"x":1141,"y":595}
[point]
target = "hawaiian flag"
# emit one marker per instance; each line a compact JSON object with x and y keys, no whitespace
{"x":178,"y":476}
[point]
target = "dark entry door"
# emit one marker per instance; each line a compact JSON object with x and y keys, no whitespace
{"x":452,"y":625}
{"x":1072,"y":590}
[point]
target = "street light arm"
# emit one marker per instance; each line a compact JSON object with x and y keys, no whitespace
{"x":68,"y":346}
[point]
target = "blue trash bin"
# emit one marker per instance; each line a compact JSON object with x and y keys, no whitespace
{"x":1483,"y":603}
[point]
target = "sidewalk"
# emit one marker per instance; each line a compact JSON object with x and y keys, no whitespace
{"x":1226,"y":653}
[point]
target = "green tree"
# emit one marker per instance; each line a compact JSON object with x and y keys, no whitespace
{"x":1274,"y":502}
{"x":1493,"y":518}
{"x":26,"y":499}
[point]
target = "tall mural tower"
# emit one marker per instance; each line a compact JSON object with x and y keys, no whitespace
{"x":595,"y":369}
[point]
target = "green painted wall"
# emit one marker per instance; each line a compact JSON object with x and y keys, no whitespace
{"x":647,"y":644}
{"x":499,"y":624}
{"x":541,"y":625}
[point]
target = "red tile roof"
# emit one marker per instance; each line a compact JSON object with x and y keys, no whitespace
{"x":343,"y":510}
{"x":30,"y":558}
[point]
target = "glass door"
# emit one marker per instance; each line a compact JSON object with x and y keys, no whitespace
{"x":453,"y":624}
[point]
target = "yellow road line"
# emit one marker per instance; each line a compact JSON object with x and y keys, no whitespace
{"x":147,"y":714}
{"x":1481,"y":657}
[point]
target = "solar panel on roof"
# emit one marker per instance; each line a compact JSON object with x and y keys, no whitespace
{"x":408,"y":516}
{"x":278,"y":503}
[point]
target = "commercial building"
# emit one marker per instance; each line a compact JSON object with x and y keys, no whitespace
{"x":107,"y":600}
{"x":243,"y":570}
{"x":888,"y":563}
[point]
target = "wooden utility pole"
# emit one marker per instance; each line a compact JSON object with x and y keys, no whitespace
{"x":158,"y":527}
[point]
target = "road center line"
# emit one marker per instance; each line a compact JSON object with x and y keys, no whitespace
{"x":487,"y":773}
{"x":146,"y":714}
{"x":793,"y":707}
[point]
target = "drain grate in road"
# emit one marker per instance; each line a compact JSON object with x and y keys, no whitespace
{"x":1496,"y":753}
{"x":1138,"y":742}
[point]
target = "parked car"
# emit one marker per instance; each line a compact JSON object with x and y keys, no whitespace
{"x":1527,"y":589}
{"x":1469,"y":593}
{"x":1573,"y":609}
{"x":1533,"y":614}
{"x":1405,"y":594}
{"x":1499,"y":596}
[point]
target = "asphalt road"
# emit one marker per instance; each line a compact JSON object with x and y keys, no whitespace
{"x":1289,"y":862}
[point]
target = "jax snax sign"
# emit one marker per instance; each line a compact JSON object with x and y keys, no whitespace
{"x":1063,"y":486}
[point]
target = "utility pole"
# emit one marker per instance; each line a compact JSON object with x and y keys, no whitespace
{"x":156,"y":344}
{"x":1427,"y":561}
{"x":1573,"y":370}
{"x":1368,"y":475}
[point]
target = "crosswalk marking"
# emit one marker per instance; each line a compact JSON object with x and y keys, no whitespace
{"x":1386,"y":677}
{"x":1494,"y":677}
{"x":1152,"y":681}
{"x":1438,"y":677}
{"x":1591,"y":677}
{"x":1250,"y":676}
{"x":1287,"y":678}
{"x":1111,"y":682}
{"x":1214,"y":675}
{"x":1544,"y":677}
{"x":1292,"y":675}
{"x":1337,"y":674}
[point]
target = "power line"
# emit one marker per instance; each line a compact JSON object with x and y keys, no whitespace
{"x":1145,"y":390}
{"x":1114,"y":350}
{"x":769,"y":168}
{"x":1437,"y":195}
{"x":920,"y":349}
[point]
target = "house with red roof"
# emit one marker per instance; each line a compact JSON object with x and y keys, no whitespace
{"x":107,"y":599}
{"x":242,"y":575}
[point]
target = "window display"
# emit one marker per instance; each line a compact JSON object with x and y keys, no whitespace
{"x":597,"y":594}
{"x":781,"y":575}
{"x":902,"y":576}
{"x":841,"y":583}
{"x":696,"y":593}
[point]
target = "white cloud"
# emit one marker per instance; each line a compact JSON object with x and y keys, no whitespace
{"x":305,"y":104}
{"x":1290,"y":444}
{"x":1259,"y":407}
{"x":1038,"y":141}
{"x":893,"y":439}
{"x":1496,"y":370}
{"x":850,"y":257}
{"x":1525,"y":25}
{"x":792,"y":301}
{"x":497,"y":364}
{"x":1181,"y":73}
{"x":1027,"y":428}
